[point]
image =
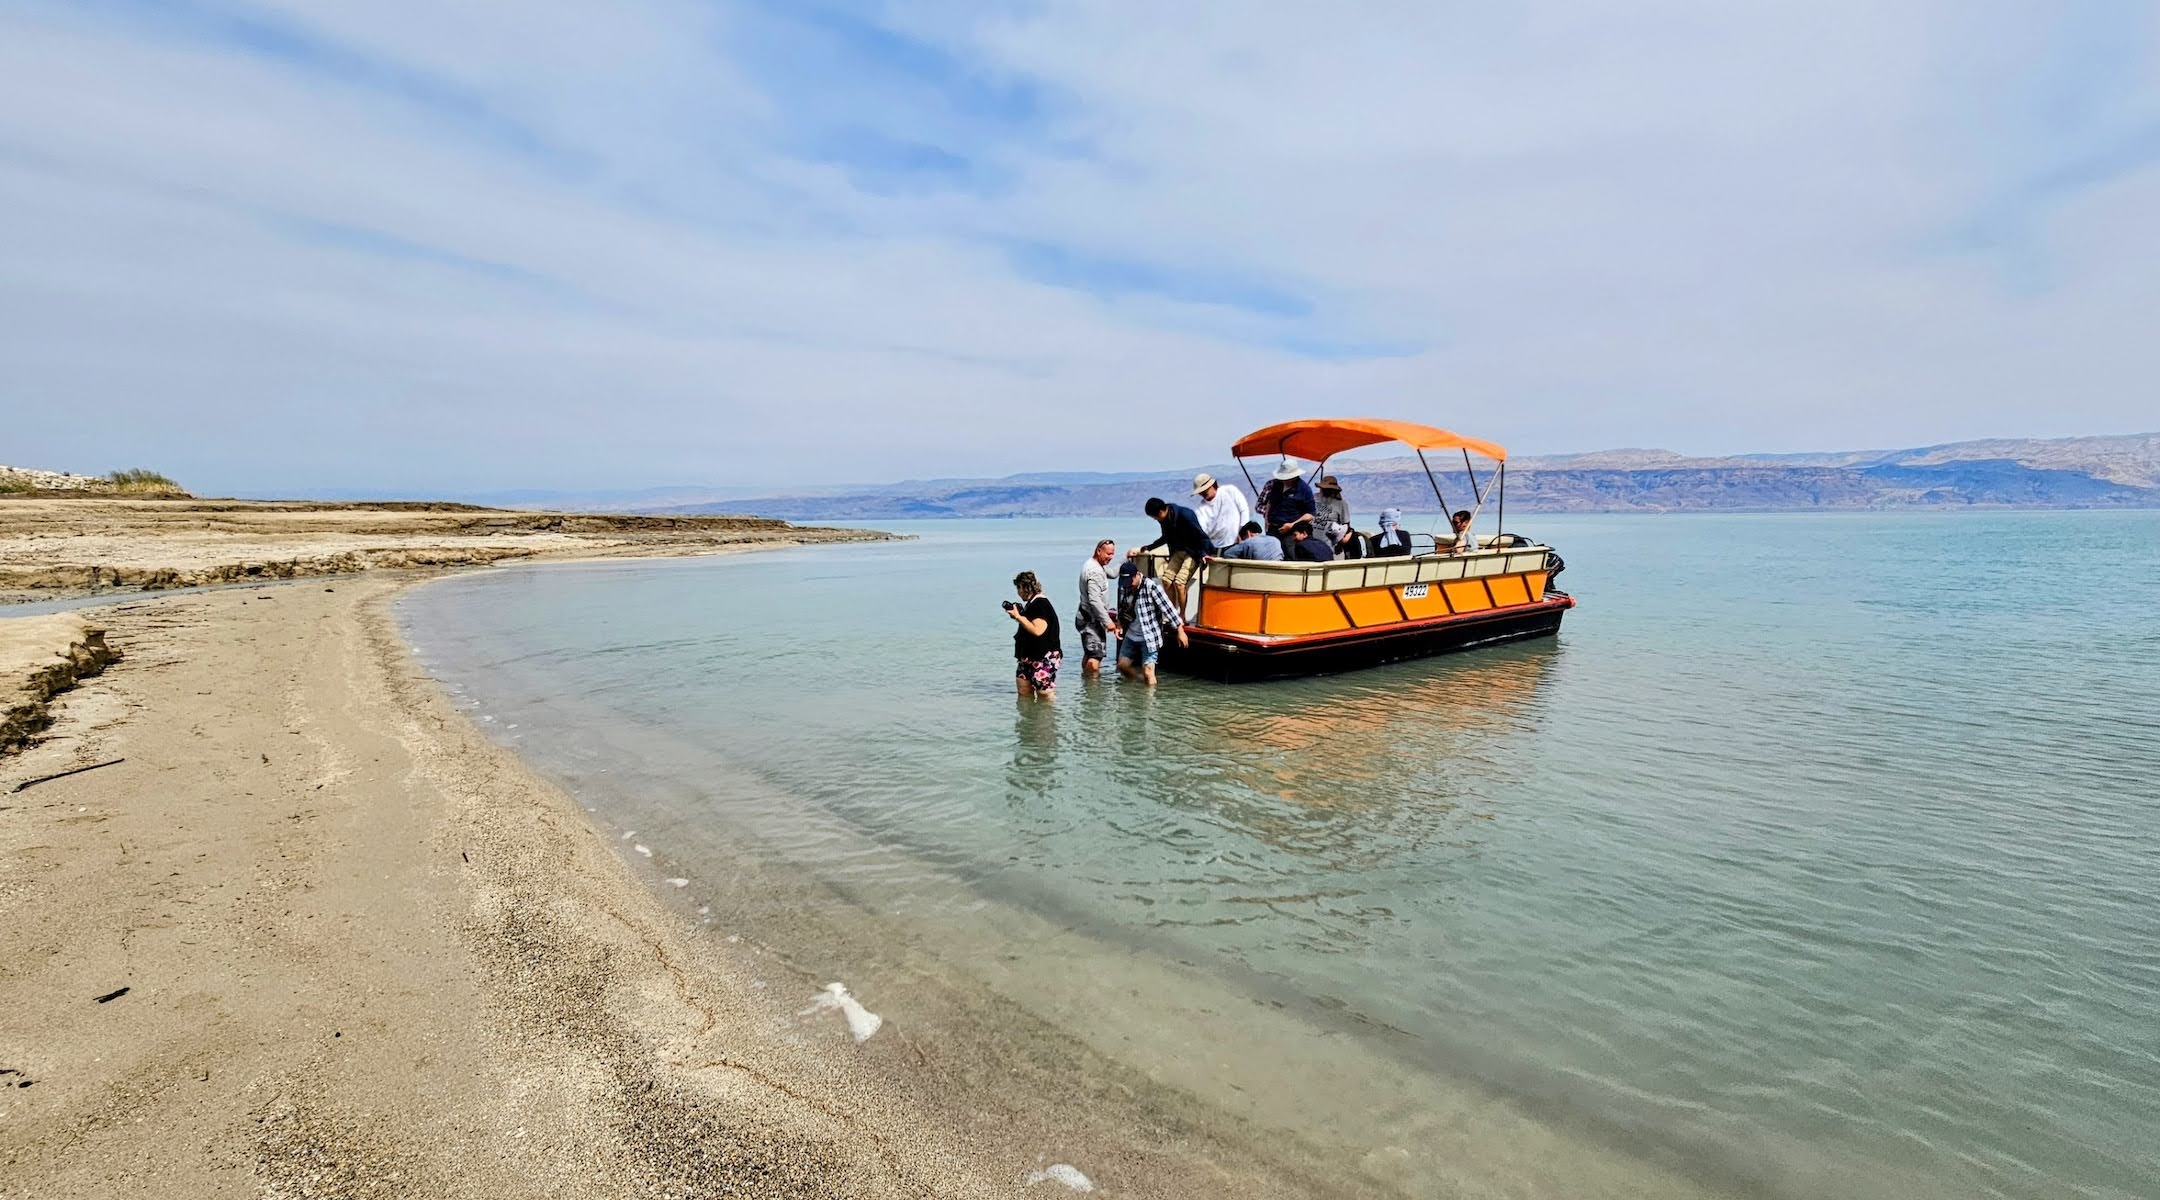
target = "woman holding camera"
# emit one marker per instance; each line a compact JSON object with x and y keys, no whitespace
{"x":1035,"y":642}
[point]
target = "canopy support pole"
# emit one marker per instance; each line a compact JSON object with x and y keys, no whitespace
{"x":1434,"y":482}
{"x":1476,"y":493}
{"x":1503,"y":497}
{"x":1247,"y":471}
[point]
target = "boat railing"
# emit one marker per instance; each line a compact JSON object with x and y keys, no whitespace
{"x":1245,"y":575}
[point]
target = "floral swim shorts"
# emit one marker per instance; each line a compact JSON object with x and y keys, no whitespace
{"x":1041,"y":673}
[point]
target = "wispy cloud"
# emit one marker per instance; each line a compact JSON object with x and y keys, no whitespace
{"x":481,"y":243}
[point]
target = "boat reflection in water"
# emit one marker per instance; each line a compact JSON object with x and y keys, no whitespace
{"x":1370,"y":766}
{"x":1342,"y":773}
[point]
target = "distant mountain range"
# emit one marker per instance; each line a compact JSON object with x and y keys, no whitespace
{"x":2086,"y":472}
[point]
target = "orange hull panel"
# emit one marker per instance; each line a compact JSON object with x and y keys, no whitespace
{"x":1310,"y":614}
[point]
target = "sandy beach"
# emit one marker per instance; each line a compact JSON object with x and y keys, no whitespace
{"x":311,"y":934}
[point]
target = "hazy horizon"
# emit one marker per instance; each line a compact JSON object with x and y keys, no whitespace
{"x":285,"y":246}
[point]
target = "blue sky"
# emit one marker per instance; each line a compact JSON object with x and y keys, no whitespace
{"x":453,"y":247}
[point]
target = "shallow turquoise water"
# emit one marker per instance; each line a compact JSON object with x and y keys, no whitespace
{"x":1817,"y":853}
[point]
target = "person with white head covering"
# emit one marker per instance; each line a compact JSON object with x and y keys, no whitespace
{"x":1288,"y":502}
{"x":1393,"y":541}
{"x":1222,"y":509}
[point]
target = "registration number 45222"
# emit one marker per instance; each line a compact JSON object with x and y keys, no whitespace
{"x":1416,"y":591}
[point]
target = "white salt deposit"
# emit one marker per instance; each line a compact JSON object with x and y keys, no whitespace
{"x":680,"y":882}
{"x":627,"y":834}
{"x":860,"y":1021}
{"x":642,"y":849}
{"x":1064,"y":1173}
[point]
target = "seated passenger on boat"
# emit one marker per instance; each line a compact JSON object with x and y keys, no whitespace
{"x":1393,"y":541}
{"x":1310,"y":547}
{"x":1465,"y":541}
{"x":1253,"y":543}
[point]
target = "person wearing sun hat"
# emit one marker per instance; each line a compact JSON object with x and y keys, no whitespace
{"x":1222,"y":509}
{"x":1288,"y":502}
{"x":1331,"y":515}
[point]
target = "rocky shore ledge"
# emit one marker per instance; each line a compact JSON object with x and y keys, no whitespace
{"x":25,"y":711}
{"x":56,"y":547}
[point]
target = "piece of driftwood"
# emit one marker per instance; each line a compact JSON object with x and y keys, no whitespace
{"x":63,"y":774}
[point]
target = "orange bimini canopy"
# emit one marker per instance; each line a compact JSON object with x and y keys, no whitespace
{"x":1323,"y":439}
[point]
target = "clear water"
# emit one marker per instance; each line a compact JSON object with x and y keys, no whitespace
{"x":1818,"y":855}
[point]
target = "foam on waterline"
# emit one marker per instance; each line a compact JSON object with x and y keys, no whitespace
{"x":860,"y":1021}
{"x":1064,"y":1173}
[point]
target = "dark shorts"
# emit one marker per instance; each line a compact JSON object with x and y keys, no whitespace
{"x":1041,"y":673}
{"x":1093,"y":642}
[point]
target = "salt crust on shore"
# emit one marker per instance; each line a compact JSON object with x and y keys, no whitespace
{"x":1064,"y":1173}
{"x":861,"y":1022}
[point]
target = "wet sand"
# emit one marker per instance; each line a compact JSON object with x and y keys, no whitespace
{"x":366,"y":952}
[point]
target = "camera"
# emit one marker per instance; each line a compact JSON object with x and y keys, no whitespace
{"x":1010,"y":606}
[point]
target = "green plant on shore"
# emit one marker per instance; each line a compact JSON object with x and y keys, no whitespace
{"x":10,"y":487}
{"x":141,"y":479}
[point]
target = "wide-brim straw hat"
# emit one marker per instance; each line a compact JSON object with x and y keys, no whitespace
{"x":1289,"y":470}
{"x":1201,"y":483}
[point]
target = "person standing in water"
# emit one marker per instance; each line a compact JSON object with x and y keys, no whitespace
{"x":1095,"y":621}
{"x":1153,"y":614}
{"x":1036,"y":650}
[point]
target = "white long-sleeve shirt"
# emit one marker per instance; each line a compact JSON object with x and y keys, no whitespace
{"x":1222,"y":517}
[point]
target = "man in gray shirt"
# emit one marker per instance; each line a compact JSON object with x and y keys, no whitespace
{"x":1095,"y":619}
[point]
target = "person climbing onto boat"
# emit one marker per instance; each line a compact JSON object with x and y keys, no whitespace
{"x":1288,"y":501}
{"x":1254,"y":543}
{"x":1094,"y":620}
{"x":1309,"y":546}
{"x":1188,"y":544}
{"x":1393,"y":541}
{"x":1036,"y":651}
{"x":1142,"y":644}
